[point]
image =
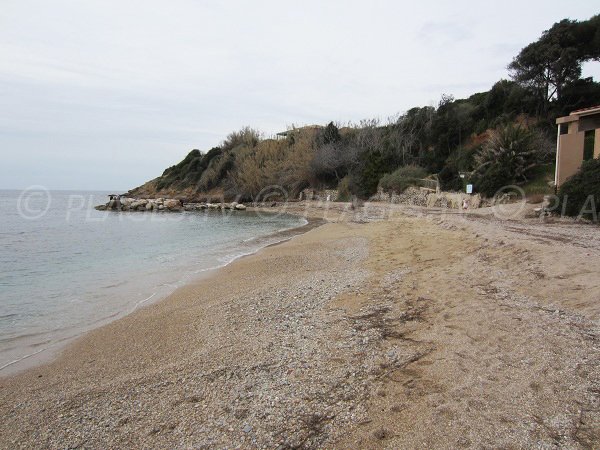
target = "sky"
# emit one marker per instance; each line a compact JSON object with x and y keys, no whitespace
{"x":104,"y":94}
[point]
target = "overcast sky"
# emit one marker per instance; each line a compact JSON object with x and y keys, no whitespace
{"x":104,"y":94}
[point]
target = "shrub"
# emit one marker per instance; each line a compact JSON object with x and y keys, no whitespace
{"x":345,"y":189}
{"x":216,"y":171}
{"x":580,"y":194}
{"x":245,"y":137}
{"x":509,"y":156}
{"x":541,"y":184}
{"x":402,"y":178}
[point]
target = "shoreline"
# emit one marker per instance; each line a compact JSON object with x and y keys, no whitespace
{"x":55,"y":345}
{"x":405,"y":332}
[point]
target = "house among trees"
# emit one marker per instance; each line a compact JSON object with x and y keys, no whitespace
{"x":294,"y":130}
{"x":578,"y":140}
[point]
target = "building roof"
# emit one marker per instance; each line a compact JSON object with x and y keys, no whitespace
{"x":575,"y":115}
{"x":297,"y":129}
{"x":585,"y":111}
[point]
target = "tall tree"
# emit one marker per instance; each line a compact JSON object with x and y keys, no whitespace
{"x":331,"y":134}
{"x":555,"y":60}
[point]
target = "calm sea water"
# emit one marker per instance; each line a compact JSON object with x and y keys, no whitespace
{"x":65,"y":267}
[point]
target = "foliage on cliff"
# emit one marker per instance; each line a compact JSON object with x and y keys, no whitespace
{"x":580,"y":195}
{"x":457,"y":136}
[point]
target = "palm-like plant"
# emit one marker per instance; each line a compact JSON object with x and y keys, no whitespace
{"x":509,"y":156}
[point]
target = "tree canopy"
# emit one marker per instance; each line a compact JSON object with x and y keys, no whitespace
{"x":554,"y":60}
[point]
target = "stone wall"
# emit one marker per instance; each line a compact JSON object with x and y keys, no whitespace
{"x":424,"y":197}
{"x":312,"y":194}
{"x":453,"y":200}
{"x":411,"y":196}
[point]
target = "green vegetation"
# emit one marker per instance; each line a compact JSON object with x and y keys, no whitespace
{"x":580,"y":195}
{"x":541,"y":183}
{"x":189,"y":170}
{"x":553,"y":62}
{"x":509,"y":156}
{"x":502,"y":136}
{"x":402,"y":178}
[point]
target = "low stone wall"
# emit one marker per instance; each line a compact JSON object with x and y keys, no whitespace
{"x":424,"y":197}
{"x":453,"y":200}
{"x":323,"y":195}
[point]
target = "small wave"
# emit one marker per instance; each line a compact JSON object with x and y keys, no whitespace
{"x":109,"y":286}
{"x":15,"y":361}
{"x":8,"y":316}
{"x":304,"y":222}
{"x":141,"y":302}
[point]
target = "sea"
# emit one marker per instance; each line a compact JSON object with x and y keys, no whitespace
{"x":66,"y":268}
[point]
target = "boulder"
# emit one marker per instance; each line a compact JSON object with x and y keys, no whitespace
{"x":172,"y":204}
{"x":126,"y":201}
{"x":240,"y":207}
{"x":139,"y":204}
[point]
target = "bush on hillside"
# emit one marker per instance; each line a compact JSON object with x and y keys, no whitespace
{"x":244,"y":137}
{"x":402,"y":178}
{"x":579,"y":196}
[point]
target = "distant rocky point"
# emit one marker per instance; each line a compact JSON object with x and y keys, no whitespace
{"x":118,"y":203}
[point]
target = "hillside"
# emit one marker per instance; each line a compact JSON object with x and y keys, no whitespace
{"x":458,"y":136}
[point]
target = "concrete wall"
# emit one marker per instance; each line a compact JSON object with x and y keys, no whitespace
{"x":570,"y":155}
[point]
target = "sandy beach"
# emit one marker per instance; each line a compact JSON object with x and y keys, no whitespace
{"x":422,"y":329}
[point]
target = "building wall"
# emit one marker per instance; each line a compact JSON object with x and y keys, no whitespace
{"x":573,"y":127}
{"x":597,"y":144}
{"x":570,"y":155}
